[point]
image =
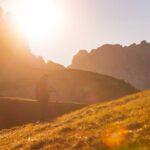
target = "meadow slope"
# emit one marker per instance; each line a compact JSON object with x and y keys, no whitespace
{"x":122,"y":124}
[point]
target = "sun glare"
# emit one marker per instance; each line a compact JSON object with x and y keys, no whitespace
{"x":115,"y":136}
{"x":38,"y":18}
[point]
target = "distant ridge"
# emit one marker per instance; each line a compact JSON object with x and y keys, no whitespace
{"x":130,"y":63}
{"x":68,"y":85}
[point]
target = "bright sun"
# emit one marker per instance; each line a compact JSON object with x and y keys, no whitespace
{"x":37,"y":18}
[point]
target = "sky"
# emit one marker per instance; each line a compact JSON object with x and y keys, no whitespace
{"x":89,"y":24}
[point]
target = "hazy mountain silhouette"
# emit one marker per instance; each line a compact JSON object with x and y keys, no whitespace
{"x":130,"y":63}
{"x":20,"y":70}
{"x":16,"y":58}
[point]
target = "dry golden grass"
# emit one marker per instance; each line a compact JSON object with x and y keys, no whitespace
{"x":122,"y":124}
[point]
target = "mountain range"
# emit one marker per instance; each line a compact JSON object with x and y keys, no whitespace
{"x":20,"y":70}
{"x":130,"y":63}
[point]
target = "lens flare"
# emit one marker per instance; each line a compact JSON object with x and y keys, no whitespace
{"x":115,"y":136}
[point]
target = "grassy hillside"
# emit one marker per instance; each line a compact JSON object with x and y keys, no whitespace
{"x":70,"y":85}
{"x":18,"y":111}
{"x":122,"y":124}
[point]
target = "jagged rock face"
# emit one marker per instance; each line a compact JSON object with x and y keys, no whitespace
{"x":16,"y":60}
{"x":130,"y":63}
{"x":19,"y":68}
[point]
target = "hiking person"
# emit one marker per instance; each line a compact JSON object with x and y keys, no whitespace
{"x":42,"y":94}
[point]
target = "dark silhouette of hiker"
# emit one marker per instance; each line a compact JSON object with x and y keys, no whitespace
{"x":42,"y":94}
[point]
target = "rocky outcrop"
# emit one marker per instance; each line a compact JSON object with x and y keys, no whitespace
{"x":129,"y":63}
